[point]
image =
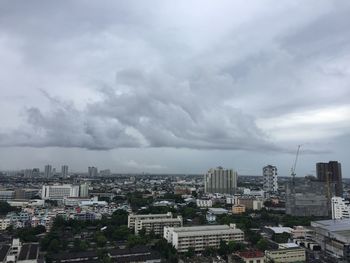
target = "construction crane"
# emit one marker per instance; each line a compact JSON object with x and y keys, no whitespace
{"x":295,"y":165}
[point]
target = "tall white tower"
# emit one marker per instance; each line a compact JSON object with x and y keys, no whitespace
{"x":270,"y":179}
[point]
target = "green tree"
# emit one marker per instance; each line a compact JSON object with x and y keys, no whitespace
{"x":262,"y":244}
{"x":190,"y":252}
{"x":101,"y":240}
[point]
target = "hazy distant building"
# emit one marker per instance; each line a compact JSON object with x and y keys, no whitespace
{"x":220,"y":180}
{"x":35,"y":172}
{"x":47,"y":171}
{"x":92,"y":171}
{"x":270,"y":183}
{"x":64,"y":171}
{"x":331,"y":173}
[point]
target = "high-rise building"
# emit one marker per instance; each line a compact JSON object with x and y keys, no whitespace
{"x":220,"y":180}
{"x":340,"y":208}
{"x":270,"y":183}
{"x":331,"y":173}
{"x":47,"y":171}
{"x":35,"y":172}
{"x":92,"y":171}
{"x":64,"y":171}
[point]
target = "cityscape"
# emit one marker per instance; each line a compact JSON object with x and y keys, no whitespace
{"x":54,"y":215}
{"x":184,"y":131}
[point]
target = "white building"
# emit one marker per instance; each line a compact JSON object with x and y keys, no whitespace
{"x":270,"y":183}
{"x":58,"y":192}
{"x":204,"y":202}
{"x":157,"y":225}
{"x":134,"y":220}
{"x":219,"y":180}
{"x":340,"y":208}
{"x":84,"y":190}
{"x":200,"y":237}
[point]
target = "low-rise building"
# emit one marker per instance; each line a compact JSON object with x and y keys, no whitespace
{"x":134,"y":219}
{"x":200,"y":237}
{"x":333,"y":237}
{"x":204,"y":202}
{"x":157,"y":224}
{"x":251,"y":256}
{"x":286,"y":255}
{"x":238,"y":209}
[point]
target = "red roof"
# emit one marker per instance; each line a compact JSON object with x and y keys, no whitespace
{"x":251,"y":254}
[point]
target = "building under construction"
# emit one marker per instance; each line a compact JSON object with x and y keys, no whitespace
{"x":308,"y":199}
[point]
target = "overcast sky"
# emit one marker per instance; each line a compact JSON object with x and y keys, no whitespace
{"x":174,"y":86}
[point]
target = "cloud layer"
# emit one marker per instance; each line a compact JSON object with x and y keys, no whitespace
{"x":190,"y":74}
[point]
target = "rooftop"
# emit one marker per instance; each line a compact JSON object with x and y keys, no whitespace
{"x":251,"y":254}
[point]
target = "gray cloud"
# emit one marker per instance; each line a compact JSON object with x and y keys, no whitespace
{"x":234,"y":76}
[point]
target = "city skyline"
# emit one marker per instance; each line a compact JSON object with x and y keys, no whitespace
{"x":134,"y":88}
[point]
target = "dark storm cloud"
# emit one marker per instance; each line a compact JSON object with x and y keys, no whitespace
{"x":135,"y":74}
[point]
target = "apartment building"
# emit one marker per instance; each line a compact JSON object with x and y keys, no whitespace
{"x":340,"y":208}
{"x":58,"y":192}
{"x":157,"y":225}
{"x":286,"y":255}
{"x":200,"y":237}
{"x":135,"y":220}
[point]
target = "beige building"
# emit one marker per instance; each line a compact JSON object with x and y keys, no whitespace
{"x":238,"y":209}
{"x":251,"y":256}
{"x":286,"y":255}
{"x":251,"y":203}
{"x":200,"y":237}
{"x":157,"y":225}
{"x":134,"y":219}
{"x":4,"y":223}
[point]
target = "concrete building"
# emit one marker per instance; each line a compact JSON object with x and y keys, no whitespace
{"x":333,"y":236}
{"x":220,"y":180}
{"x":47,"y":171}
{"x":64,"y":171}
{"x":157,"y":224}
{"x":84,"y":190}
{"x":286,"y":255}
{"x":58,"y":192}
{"x":270,"y":183}
{"x":238,"y":209}
{"x":331,"y":173}
{"x":204,"y":202}
{"x":251,"y":256}
{"x":340,"y":208}
{"x":25,"y":194}
{"x":92,"y":171}
{"x":134,"y":219}
{"x":308,"y":199}
{"x":200,"y":237}
{"x":251,"y":203}
{"x":7,"y":195}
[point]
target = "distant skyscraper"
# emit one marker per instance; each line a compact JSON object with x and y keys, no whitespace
{"x":35,"y":172}
{"x":331,"y":173}
{"x":92,"y":171}
{"x":64,"y":171}
{"x":219,"y":180}
{"x":48,"y":171}
{"x":270,"y":183}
